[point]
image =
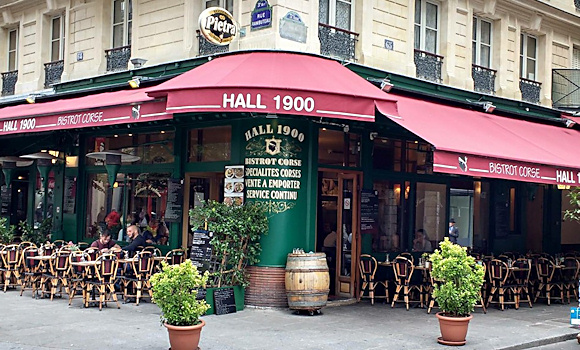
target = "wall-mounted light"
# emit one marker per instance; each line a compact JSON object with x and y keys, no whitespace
{"x":570,"y":123}
{"x":373,"y":135}
{"x":31,"y":98}
{"x":386,"y":85}
{"x":135,"y":82}
{"x":487,"y":106}
{"x":346,"y":128}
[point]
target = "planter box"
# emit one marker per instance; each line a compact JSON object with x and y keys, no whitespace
{"x":239,"y":293}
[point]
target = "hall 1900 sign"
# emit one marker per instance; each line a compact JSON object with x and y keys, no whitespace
{"x":273,"y":166}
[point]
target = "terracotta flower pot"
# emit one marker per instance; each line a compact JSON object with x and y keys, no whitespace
{"x":184,"y":337}
{"x":453,"y":329}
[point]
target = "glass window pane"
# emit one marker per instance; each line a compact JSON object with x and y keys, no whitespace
{"x":431,"y":211}
{"x":55,"y":51}
{"x":56,"y":28}
{"x":522,"y":38}
{"x":485,"y":32}
{"x":485,"y":56}
{"x":343,"y":15}
{"x":12,"y":40}
{"x":431,"y":41}
{"x":230,"y":6}
{"x":522,"y":68}
{"x":531,"y":47}
{"x":212,"y":3}
{"x":12,"y":61}
{"x":118,"y":14}
{"x":431,"y":18}
{"x":118,"y":36}
{"x":354,"y":150}
{"x":388,"y":238}
{"x":130,"y":10}
{"x":474,"y":31}
{"x":531,"y":68}
{"x":96,"y":205}
{"x":129,"y":33}
{"x":418,"y":12}
{"x":417,"y":37}
{"x":331,"y":147}
{"x":474,"y":53}
{"x":210,"y":144}
{"x":323,"y":10}
{"x":387,"y":154}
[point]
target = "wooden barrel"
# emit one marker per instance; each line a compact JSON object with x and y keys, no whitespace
{"x":307,"y":281}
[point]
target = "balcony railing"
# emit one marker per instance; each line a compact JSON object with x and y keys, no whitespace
{"x":9,"y":82}
{"x":530,"y":90}
{"x":53,"y":72}
{"x":566,"y":88}
{"x":483,"y":79}
{"x":337,"y":42}
{"x":207,"y":48}
{"x":428,"y":65}
{"x":577,"y":4}
{"x":118,"y":58}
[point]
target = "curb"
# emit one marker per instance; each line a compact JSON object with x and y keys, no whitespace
{"x":542,"y":342}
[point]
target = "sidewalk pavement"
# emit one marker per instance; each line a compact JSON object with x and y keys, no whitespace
{"x":39,"y":324}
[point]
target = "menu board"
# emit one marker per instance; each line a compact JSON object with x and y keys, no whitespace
{"x":201,"y":249}
{"x":224,"y":301}
{"x":70,"y":194}
{"x":369,"y":212}
{"x":5,"y":199}
{"x":234,"y":185}
{"x":174,"y":200}
{"x":201,"y":293}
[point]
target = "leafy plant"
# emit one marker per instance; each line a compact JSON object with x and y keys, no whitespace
{"x":174,"y":290}
{"x":236,"y":241}
{"x":6,"y":231}
{"x":37,"y":236}
{"x":458,"y":279}
{"x":574,"y":213}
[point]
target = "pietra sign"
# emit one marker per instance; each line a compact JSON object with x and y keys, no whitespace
{"x":217,"y":26}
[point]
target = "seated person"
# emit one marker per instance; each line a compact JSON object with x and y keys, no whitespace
{"x":105,"y":244}
{"x":137,"y":240}
{"x":148,"y":236}
{"x":162,"y":233}
{"x":421,"y":243}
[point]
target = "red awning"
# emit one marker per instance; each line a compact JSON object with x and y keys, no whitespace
{"x":275,"y":82}
{"x":109,"y":108}
{"x":481,"y":144}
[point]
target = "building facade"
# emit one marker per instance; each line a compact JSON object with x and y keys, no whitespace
{"x":372,"y":178}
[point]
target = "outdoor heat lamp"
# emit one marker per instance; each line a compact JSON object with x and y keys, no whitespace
{"x":113,"y":160}
{"x":43,"y":163}
{"x":9,"y":164}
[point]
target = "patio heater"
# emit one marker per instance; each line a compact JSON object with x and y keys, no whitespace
{"x":9,"y":165}
{"x":44,"y":162}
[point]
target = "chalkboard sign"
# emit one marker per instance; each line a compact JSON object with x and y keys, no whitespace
{"x":502,"y":218}
{"x":70,"y":194}
{"x":224,"y":301}
{"x":201,"y":293}
{"x":5,"y":199}
{"x":174,"y":201}
{"x":369,"y":212}
{"x":201,"y":249}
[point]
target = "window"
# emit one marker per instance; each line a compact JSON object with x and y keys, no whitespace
{"x":210,"y":144}
{"x":426,"y":26}
{"x":226,"y":4}
{"x":528,"y":56}
{"x":12,"y":50}
{"x":398,"y":155}
{"x":336,"y":13}
{"x":338,"y":148}
{"x":122,"y":19}
{"x":575,"y":58}
{"x":57,"y":39}
{"x":481,"y":42}
{"x":431,"y":211}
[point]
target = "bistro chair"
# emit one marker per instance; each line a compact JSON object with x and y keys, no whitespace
{"x":481,"y":302}
{"x":500,"y":288}
{"x":157,"y":255}
{"x":83,"y":245}
{"x":78,"y":275}
{"x":175,"y":257}
{"x":521,"y":273}
{"x":26,"y":244}
{"x":545,"y":269}
{"x":92,"y":252}
{"x":569,"y":273}
{"x":403,"y":269}
{"x":104,"y":281}
{"x":138,"y":278}
{"x":368,"y":268}
{"x":408,"y":256}
{"x":57,"y":275}
{"x":31,"y":272}
{"x":47,"y":249}
{"x":10,"y":265}
{"x":59,"y":243}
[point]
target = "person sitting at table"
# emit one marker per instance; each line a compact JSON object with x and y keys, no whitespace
{"x":421,"y":243}
{"x":137,"y":240}
{"x":105,"y":244}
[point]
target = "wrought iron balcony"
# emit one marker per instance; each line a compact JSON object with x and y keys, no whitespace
{"x":428,"y":65}
{"x":118,"y":58}
{"x":9,"y":80}
{"x":53,"y":72}
{"x":483,"y":79}
{"x":566,"y":88}
{"x":207,"y":48}
{"x":530,"y":90}
{"x":337,"y":42}
{"x":577,"y":4}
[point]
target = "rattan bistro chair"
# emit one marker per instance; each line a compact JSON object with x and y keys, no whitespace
{"x":10,"y":256}
{"x":137,"y":280}
{"x":31,"y":273}
{"x":175,"y":257}
{"x":104,"y":281}
{"x":569,"y":272}
{"x":57,"y":275}
{"x":367,"y":269}
{"x":547,"y":283}
{"x":403,"y":269}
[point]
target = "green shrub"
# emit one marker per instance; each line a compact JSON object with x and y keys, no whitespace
{"x":175,"y":289}
{"x":458,"y":279}
{"x":6,"y":231}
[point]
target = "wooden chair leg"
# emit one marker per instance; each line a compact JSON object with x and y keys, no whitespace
{"x":406,"y":294}
{"x":396,"y":296}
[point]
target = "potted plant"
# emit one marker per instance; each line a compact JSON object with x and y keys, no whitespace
{"x":174,"y":290}
{"x":458,"y":280}
{"x":6,"y":231}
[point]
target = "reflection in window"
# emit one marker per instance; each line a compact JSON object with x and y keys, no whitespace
{"x":398,"y":155}
{"x":338,"y":148}
{"x":154,"y":148}
{"x":430,"y":211}
{"x":210,"y":144}
{"x":43,"y":207}
{"x":134,"y":199}
{"x":388,"y":239}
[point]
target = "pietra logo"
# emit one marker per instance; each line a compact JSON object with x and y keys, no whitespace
{"x":273,"y":146}
{"x":217,"y":26}
{"x":463,"y":163}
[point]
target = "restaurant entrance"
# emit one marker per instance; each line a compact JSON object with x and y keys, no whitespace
{"x":338,"y":228}
{"x":200,"y":187}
